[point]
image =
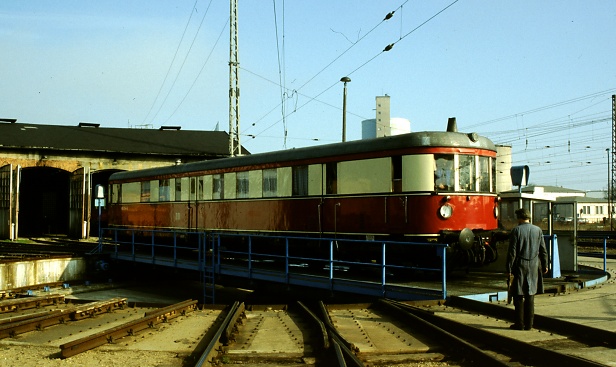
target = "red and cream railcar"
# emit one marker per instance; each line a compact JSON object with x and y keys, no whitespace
{"x":422,"y":186}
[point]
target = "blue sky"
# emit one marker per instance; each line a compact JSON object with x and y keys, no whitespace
{"x":536,"y":75}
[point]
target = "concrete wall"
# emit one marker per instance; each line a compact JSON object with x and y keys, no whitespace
{"x":32,"y":272}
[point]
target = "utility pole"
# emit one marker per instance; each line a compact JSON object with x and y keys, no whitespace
{"x":345,"y":80}
{"x":235,"y":147}
{"x":613,"y":178}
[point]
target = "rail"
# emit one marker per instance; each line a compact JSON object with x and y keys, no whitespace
{"x":14,"y":326}
{"x":10,"y":305}
{"x":149,"y":320}
{"x":572,"y":330}
{"x":224,"y":330}
{"x":251,"y":256}
{"x":463,"y":335}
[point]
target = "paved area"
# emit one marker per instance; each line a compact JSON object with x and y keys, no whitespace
{"x":587,"y":297}
{"x":594,"y":305}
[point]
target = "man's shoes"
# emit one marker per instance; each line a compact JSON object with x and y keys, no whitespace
{"x":527,"y":327}
{"x":516,"y":327}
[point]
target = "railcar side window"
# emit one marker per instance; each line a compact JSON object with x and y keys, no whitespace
{"x":444,"y":175}
{"x":484,"y":174}
{"x":270,"y":182}
{"x":164,"y":192}
{"x":145,"y":192}
{"x":467,"y":173}
{"x":193,"y":188}
{"x":300,"y":181}
{"x":331,"y":178}
{"x":396,"y":172}
{"x":218,"y":187}
{"x":116,"y":193}
{"x":242,"y":184}
{"x":178,"y":189}
{"x":131,"y":192}
{"x":200,"y":186}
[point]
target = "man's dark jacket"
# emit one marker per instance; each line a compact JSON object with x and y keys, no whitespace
{"x":526,"y":258}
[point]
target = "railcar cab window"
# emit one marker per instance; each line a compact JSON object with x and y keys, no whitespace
{"x":444,"y":174}
{"x":483,"y":179}
{"x":493,"y":176}
{"x":464,"y":173}
{"x":467,"y":173}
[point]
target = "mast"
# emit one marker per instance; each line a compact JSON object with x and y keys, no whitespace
{"x":235,"y":147}
{"x":610,"y":188}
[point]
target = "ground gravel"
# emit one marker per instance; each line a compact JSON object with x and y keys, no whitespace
{"x":12,"y":355}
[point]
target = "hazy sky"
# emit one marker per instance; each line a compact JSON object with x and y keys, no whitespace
{"x":536,"y":75}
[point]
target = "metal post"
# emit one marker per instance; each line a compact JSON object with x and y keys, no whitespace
{"x":331,"y":264}
{"x":345,"y":80}
{"x":609,"y":191}
{"x":383,"y":270}
{"x":249,"y":257}
{"x":286,"y":260}
{"x":605,"y":254}
{"x":100,"y":234}
{"x":133,"y":243}
{"x":612,"y":179}
{"x":444,"y":275}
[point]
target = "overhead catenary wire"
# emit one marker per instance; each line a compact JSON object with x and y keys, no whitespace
{"x":281,"y":70}
{"x":183,"y":62}
{"x":200,"y":71}
{"x":192,"y":10}
{"x":387,"y":48}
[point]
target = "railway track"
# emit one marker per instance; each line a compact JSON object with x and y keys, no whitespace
{"x":393,"y":333}
{"x":457,"y":333}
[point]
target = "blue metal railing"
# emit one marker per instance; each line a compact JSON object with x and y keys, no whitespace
{"x":604,"y":254}
{"x":246,"y":254}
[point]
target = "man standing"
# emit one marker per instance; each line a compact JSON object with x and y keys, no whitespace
{"x":527,"y":259}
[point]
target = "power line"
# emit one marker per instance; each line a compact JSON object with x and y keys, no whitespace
{"x":171,"y":64}
{"x":539,"y":109}
{"x":200,"y":71}
{"x":387,"y":48}
{"x":183,"y":62}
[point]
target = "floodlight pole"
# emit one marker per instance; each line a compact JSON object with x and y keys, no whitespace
{"x":345,"y":80}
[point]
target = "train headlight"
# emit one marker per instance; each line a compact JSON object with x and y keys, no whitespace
{"x":496,"y":213}
{"x":445,"y":211}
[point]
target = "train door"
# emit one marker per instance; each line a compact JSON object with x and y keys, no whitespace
{"x":79,"y":207}
{"x":9,"y":201}
{"x":396,"y":206}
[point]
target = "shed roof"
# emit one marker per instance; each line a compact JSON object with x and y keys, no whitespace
{"x":91,"y":138}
